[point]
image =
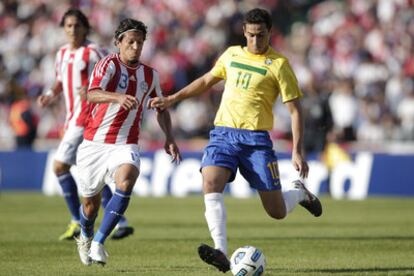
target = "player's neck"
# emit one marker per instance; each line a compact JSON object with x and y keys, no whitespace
{"x":77,"y":44}
{"x":252,"y":52}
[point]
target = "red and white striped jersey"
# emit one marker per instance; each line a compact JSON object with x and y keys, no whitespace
{"x":73,"y":68}
{"x":108,"y":122}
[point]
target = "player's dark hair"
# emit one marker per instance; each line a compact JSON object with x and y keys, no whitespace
{"x":258,"y":16}
{"x":127,"y":25}
{"x":79,"y":15}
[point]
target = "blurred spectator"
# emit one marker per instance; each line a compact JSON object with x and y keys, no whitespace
{"x":22,"y":119}
{"x":344,"y":106}
{"x":318,"y":119}
{"x":367,"y":45}
{"x":405,"y":112}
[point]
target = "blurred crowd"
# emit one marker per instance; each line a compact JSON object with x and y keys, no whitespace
{"x":354,"y":61}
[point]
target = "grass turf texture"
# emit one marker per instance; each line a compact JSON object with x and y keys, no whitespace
{"x":371,"y":237}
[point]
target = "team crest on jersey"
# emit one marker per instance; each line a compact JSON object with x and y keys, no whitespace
{"x":144,"y":86}
{"x":268,"y":61}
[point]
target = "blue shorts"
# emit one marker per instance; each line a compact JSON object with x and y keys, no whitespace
{"x":249,"y":151}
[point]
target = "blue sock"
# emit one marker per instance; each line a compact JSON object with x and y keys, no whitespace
{"x":86,"y":224}
{"x":113,"y":212}
{"x":106,"y":196}
{"x":70,"y":192}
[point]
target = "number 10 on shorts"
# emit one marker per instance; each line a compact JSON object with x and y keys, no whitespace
{"x":274,"y":169}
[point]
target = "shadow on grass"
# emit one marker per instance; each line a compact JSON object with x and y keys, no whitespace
{"x":344,"y":270}
{"x":250,"y":237}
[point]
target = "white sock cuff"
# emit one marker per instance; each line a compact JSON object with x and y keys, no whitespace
{"x":213,"y":196}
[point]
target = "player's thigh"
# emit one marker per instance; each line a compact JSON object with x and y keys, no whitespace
{"x":215,"y":178}
{"x":125,"y":177}
{"x":219,"y":154}
{"x":124,"y":166}
{"x":67,"y":149}
{"x":273,"y":203}
{"x":259,"y":167}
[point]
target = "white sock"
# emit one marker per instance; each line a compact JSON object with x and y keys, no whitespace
{"x":292,"y":198}
{"x":216,"y":219}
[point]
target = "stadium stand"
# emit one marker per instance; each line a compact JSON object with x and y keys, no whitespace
{"x":356,"y":57}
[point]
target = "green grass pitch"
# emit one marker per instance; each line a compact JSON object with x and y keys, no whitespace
{"x":370,"y":237}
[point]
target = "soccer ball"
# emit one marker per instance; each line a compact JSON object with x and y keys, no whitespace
{"x":247,"y":261}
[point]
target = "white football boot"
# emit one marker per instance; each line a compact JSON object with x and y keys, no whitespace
{"x":311,"y":202}
{"x":84,"y":245}
{"x":97,"y":253}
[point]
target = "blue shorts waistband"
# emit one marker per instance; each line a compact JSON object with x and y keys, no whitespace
{"x":239,"y":130}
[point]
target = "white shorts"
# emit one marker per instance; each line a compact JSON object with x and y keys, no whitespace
{"x":97,"y":163}
{"x":66,"y":152}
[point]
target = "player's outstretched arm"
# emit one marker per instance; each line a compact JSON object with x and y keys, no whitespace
{"x":50,"y":95}
{"x":195,"y":88}
{"x":127,"y":102}
{"x":164,"y":120}
{"x":298,"y":159}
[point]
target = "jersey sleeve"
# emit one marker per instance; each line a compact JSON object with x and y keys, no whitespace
{"x":156,"y":86}
{"x":102,"y":73}
{"x":288,"y":84}
{"x":219,"y":69}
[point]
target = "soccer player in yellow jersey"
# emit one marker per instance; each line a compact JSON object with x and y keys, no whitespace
{"x":255,"y":76}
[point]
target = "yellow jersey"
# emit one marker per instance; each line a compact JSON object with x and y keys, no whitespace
{"x":253,"y":83}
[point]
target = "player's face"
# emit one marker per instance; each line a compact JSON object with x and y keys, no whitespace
{"x":257,"y":36}
{"x":130,"y":47}
{"x":75,"y":31}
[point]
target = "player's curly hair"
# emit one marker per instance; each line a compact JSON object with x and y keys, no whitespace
{"x":258,"y":16}
{"x":79,"y":15}
{"x":127,"y":25}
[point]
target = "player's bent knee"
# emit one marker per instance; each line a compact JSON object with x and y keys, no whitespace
{"x":60,"y":168}
{"x":126,"y":185}
{"x":277,"y":214}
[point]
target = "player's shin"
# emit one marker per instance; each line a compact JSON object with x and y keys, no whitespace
{"x":86,"y":224}
{"x":216,"y":218}
{"x":113,"y":213}
{"x":70,"y":192}
{"x":106,"y":197}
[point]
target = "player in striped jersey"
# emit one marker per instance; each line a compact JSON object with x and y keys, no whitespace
{"x":119,"y":91}
{"x":255,"y":76}
{"x":74,"y":63}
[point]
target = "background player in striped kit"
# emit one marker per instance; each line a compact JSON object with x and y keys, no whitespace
{"x":119,"y":91}
{"x":74,"y":63}
{"x":255,"y":76}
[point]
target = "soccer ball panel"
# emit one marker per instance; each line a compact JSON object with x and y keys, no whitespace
{"x":247,"y":261}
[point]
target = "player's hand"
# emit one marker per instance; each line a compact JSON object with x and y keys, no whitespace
{"x":159,"y":103}
{"x":127,"y":102}
{"x":300,"y":165}
{"x":172,"y":149}
{"x":44,"y":100}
